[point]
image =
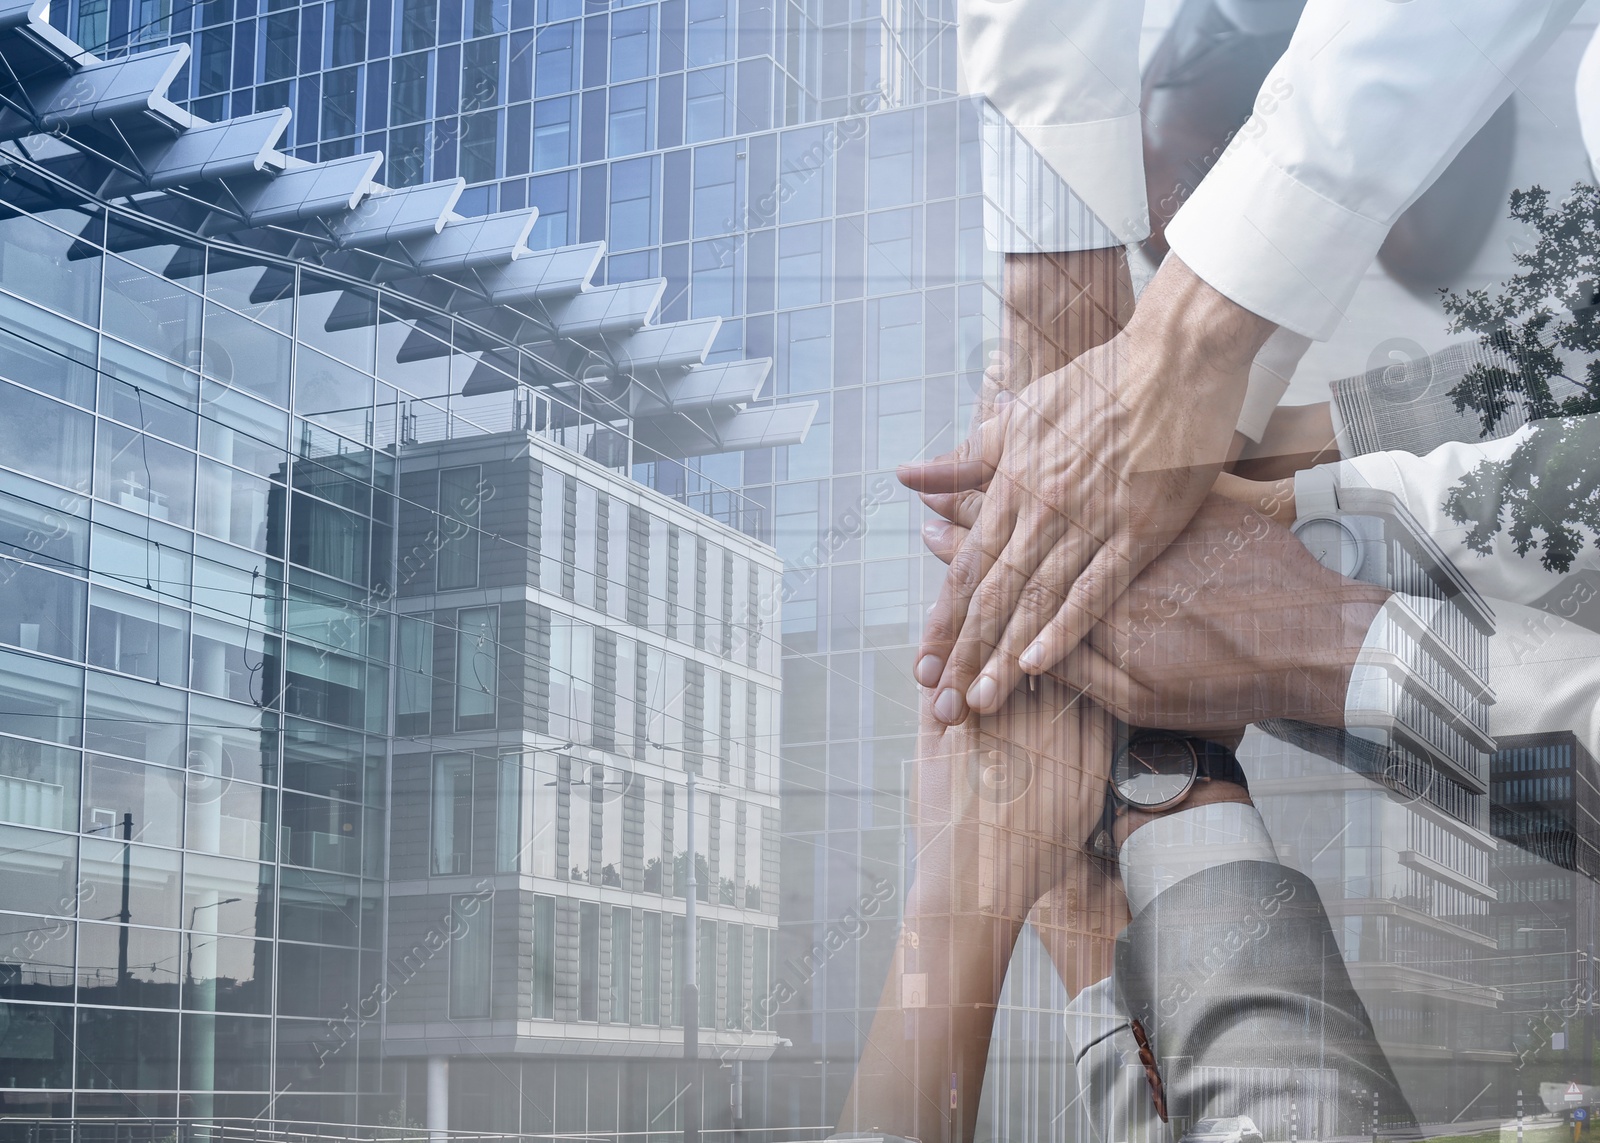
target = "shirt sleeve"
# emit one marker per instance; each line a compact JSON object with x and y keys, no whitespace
{"x":1368,"y":105}
{"x":1423,"y":483}
{"x":1064,"y":77}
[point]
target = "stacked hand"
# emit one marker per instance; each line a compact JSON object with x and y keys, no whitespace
{"x":1084,"y":477}
{"x":1232,"y":623}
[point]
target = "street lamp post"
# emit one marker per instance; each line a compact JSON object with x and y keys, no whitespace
{"x":691,"y":986}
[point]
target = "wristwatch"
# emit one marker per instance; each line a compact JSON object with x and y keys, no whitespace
{"x":1154,"y":771}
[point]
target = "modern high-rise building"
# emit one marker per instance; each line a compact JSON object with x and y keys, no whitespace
{"x":349,"y":686}
{"x":1547,"y":817}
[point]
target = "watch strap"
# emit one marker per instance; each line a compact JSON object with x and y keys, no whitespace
{"x":1218,"y":763}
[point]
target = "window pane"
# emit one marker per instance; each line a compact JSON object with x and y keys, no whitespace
{"x":45,"y":438}
{"x":47,"y":353}
{"x":452,"y":813}
{"x":621,"y":963}
{"x":408,"y":89}
{"x":460,"y":500}
{"x":118,"y":794}
{"x":35,"y":263}
{"x":650,"y":990}
{"x":736,"y":1013}
{"x":414,"y":681}
{"x":552,"y":134}
{"x":544,"y":957}
{"x":555,"y":65}
{"x":470,"y":953}
{"x":510,"y":795}
{"x":477,"y":665}
{"x":41,"y":611}
{"x":588,"y":961}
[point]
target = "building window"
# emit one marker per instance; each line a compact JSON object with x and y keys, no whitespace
{"x":215,"y":70}
{"x":418,"y":24}
{"x":621,"y":963}
{"x":801,"y":276}
{"x":715,"y":280}
{"x":891,"y":252}
{"x":761,"y":1008}
{"x":480,"y":74}
{"x":281,"y":45}
{"x":408,"y":89}
{"x":650,"y":985}
{"x":706,"y":104}
{"x":679,"y":954}
{"x":414,"y":676}
{"x":571,"y":680}
{"x":705,"y":955}
{"x":552,"y":195}
{"x":631,"y":41}
{"x":93,"y":24}
{"x":452,"y":813}
{"x":555,"y":60}
{"x":552,"y":134}
{"x":339,"y":90}
{"x":629,"y":119}
{"x":632,"y":205}
{"x":349,"y":31}
{"x":480,"y":146}
{"x":735,"y":977}
{"x":715,"y":199}
{"x":544,"y":957}
{"x":460,"y":502}
{"x":477,"y":667}
{"x":471,"y":946}
{"x":708,"y":31}
{"x":510,"y":795}
{"x":588,"y":960}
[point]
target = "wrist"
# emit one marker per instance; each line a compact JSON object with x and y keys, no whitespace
{"x":1205,"y":793}
{"x":1182,"y":311}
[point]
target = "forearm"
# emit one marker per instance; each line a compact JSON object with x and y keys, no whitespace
{"x":934,"y":1021}
{"x":1059,"y":305}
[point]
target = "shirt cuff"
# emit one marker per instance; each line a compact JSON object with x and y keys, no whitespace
{"x":1176,"y":846}
{"x":1099,"y":167}
{"x":1272,"y":244}
{"x":1270,"y":374}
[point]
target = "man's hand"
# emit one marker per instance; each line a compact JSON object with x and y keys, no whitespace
{"x":1091,"y":472}
{"x":1232,"y":623}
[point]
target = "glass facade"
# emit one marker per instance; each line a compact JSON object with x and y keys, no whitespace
{"x":804,"y":173}
{"x":299,"y":712}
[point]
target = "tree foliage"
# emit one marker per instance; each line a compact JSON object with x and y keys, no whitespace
{"x":1543,"y":330}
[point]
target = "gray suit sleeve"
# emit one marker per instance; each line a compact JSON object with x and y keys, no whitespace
{"x":1237,"y":981}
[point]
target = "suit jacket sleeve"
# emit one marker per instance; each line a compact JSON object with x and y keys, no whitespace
{"x":1236,"y":978}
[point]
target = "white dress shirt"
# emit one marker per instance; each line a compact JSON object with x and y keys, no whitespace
{"x":1369,"y":104}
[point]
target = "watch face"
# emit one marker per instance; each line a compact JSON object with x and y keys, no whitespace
{"x":1334,"y":545}
{"x":1154,"y":770}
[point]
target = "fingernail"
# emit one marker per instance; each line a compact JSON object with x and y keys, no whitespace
{"x":949,"y":707}
{"x":935,"y":531}
{"x":1004,"y":398}
{"x":928,"y":670}
{"x":984,"y":692}
{"x":1033,"y":658}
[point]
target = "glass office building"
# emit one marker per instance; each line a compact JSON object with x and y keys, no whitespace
{"x":344,"y":670}
{"x":806,"y":173}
